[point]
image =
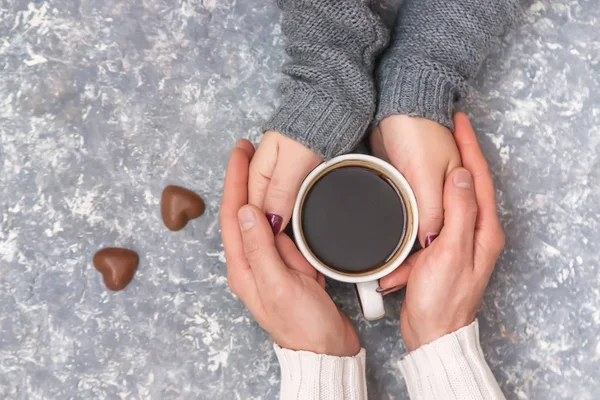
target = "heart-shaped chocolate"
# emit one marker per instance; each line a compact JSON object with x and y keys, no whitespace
{"x":117,"y":266}
{"x":179,"y":205}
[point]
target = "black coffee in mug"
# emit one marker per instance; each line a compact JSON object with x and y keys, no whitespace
{"x":353,"y":219}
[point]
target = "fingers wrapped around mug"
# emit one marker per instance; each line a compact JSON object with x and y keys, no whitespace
{"x":276,"y":173}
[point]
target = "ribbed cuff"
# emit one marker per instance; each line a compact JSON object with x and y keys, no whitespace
{"x":310,"y":376}
{"x":318,"y":121}
{"x":418,"y":88}
{"x":451,"y":368}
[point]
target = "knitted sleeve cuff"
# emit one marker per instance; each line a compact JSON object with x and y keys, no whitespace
{"x":318,"y":121}
{"x":310,"y":376}
{"x":452,"y":367}
{"x":418,"y":88}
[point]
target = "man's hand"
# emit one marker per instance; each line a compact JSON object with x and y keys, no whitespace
{"x":447,"y":279}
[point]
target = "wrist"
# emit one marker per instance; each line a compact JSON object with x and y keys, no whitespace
{"x":296,"y":147}
{"x":338,"y":348}
{"x":417,"y":337}
{"x":399,"y":124}
{"x":414,"y":342}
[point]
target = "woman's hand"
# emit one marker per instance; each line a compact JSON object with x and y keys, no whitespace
{"x":424,"y":152}
{"x":276,"y":173}
{"x":447,"y":280}
{"x":281,"y":289}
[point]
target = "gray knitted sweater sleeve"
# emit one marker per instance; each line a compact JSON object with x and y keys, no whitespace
{"x":437,"y":46}
{"x":329,"y":91}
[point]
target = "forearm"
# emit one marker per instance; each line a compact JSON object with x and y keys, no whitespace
{"x":310,"y":376}
{"x":329,"y":93}
{"x":451,"y":368}
{"x":436,"y":48}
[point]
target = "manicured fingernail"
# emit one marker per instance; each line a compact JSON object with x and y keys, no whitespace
{"x":429,"y":239}
{"x":246,"y":219}
{"x":462,"y":179}
{"x":275,"y":221}
{"x":389,"y":290}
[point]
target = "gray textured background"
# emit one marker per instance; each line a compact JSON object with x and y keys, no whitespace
{"x":103,"y":103}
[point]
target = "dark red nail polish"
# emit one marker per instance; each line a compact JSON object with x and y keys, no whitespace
{"x":275,"y":221}
{"x":429,"y":239}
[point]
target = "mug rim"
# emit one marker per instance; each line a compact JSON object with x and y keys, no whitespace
{"x":411,"y":231}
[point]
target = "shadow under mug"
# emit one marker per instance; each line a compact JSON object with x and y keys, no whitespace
{"x":366,"y":282}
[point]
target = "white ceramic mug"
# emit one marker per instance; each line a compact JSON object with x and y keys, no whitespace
{"x":366,"y":282}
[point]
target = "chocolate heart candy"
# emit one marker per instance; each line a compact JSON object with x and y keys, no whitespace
{"x":179,"y":205}
{"x":117,"y":266}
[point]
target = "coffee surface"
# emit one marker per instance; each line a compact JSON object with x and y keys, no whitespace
{"x":353,"y":219}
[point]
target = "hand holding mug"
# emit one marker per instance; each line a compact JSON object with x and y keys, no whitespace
{"x":447,"y":279}
{"x":284,"y":293}
{"x":276,"y":172}
{"x":424,"y":152}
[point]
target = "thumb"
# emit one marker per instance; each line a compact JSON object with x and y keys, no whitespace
{"x":259,"y":247}
{"x":460,"y":212}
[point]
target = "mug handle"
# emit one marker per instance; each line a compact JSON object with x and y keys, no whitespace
{"x":371,"y":301}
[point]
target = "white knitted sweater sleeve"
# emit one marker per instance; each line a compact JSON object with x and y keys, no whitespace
{"x":310,"y":376}
{"x":451,"y":368}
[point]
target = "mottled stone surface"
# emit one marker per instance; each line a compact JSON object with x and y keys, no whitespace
{"x":104,"y":102}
